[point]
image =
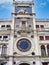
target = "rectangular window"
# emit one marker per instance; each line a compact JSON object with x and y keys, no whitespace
{"x":46,"y":37}
{"x":5,"y":37}
{"x":41,"y":37}
{"x":45,"y":63}
{"x":0,"y":37}
{"x":42,"y":26}
{"x":3,"y":26}
{"x":37,"y":26}
{"x":8,"y":27}
{"x":23,"y":22}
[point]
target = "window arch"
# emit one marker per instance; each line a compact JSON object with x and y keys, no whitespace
{"x":2,"y":26}
{"x":43,"y":51}
{"x":48,"y":49}
{"x":4,"y":49}
{"x":8,"y":27}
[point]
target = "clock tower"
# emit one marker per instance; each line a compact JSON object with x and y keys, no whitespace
{"x":25,"y":46}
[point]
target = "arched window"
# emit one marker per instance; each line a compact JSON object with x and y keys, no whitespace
{"x":8,"y":27}
{"x":3,"y":27}
{"x":43,"y":51}
{"x":4,"y":49}
{"x":48,"y":49}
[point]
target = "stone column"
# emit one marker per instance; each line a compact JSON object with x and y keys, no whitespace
{"x":35,"y":37}
{"x":10,"y":61}
{"x":11,"y":42}
{"x":32,"y":8}
{"x":11,"y":49}
{"x":35,"y":33}
{"x":38,"y":61}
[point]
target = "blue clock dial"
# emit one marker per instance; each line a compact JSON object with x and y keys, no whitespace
{"x":24,"y":45}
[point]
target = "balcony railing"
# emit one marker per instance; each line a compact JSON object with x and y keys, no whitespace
{"x":24,"y":13}
{"x":5,"y":31}
{"x":25,"y":29}
{"x":5,"y":28}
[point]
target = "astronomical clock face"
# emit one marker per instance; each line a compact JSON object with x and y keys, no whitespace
{"x":23,"y":45}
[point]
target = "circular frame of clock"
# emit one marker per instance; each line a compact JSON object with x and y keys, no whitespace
{"x":24,"y":46}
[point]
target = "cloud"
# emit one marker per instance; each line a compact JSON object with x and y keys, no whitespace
{"x":43,"y":4}
{"x":2,"y":1}
{"x":6,"y":6}
{"x":47,"y":0}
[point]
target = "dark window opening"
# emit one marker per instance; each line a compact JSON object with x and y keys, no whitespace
{"x":45,"y":63}
{"x":23,"y":22}
{"x":5,"y":37}
{"x":47,"y":37}
{"x":4,"y":50}
{"x":19,"y":32}
{"x":0,"y":36}
{"x":24,"y":64}
{"x":43,"y":51}
{"x":3,"y":26}
{"x":42,"y":26}
{"x":41,"y":37}
{"x":8,"y":27}
{"x":37,"y":26}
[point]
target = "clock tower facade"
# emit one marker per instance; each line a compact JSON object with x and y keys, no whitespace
{"x":24,"y":40}
{"x":25,"y":43}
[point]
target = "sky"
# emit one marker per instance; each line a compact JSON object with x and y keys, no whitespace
{"x":41,"y":8}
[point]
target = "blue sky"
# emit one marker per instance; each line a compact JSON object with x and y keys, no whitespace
{"x":41,"y":8}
